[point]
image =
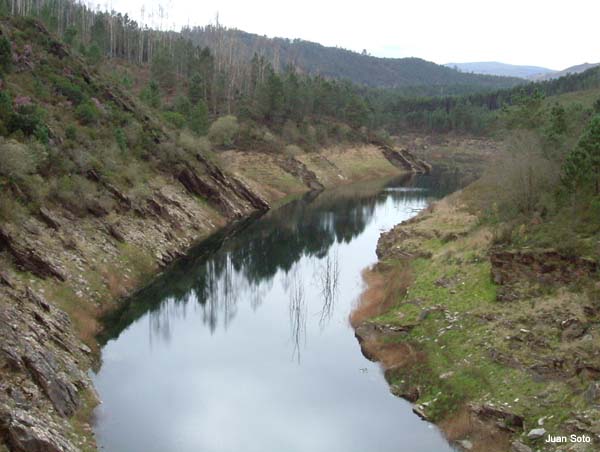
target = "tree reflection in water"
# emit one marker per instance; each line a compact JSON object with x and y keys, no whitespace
{"x":240,"y":263}
{"x":297,"y":311}
{"x":327,"y":274}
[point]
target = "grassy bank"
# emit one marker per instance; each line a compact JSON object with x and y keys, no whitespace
{"x":480,"y":365}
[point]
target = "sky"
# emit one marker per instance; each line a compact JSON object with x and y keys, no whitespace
{"x":550,"y":33}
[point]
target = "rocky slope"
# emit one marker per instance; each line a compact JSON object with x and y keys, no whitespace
{"x":60,"y":272}
{"x":97,"y":195}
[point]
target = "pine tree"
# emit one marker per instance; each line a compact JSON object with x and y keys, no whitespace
{"x":582,"y":165}
{"x":196,"y":89}
{"x":198,"y":121}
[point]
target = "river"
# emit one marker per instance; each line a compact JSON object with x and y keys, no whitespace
{"x":245,"y":346}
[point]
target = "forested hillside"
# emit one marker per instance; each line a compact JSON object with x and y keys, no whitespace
{"x":338,"y":63}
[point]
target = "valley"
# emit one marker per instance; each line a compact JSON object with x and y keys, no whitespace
{"x":213,"y":239}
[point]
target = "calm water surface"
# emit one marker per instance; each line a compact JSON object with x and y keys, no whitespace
{"x":246,"y":346}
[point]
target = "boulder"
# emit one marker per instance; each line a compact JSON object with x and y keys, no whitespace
{"x":518,"y":446}
{"x":536,"y":433}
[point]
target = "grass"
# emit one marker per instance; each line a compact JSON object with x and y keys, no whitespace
{"x":457,"y":323}
{"x":360,"y":162}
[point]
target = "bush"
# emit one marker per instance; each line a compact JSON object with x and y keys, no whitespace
{"x":174,"y":118}
{"x":70,"y":34}
{"x":18,"y":160}
{"x":121,"y":139}
{"x":71,"y":132}
{"x":75,"y":193}
{"x":93,"y":54}
{"x":223,"y":131}
{"x":151,"y":95}
{"x":183,"y":106}
{"x":5,"y":55}
{"x":70,"y":90}
{"x":193,"y":144}
{"x":87,"y":113}
{"x":28,"y":119}
{"x":517,"y":183}
{"x":11,"y":211}
{"x":42,"y":134}
{"x":199,"y":118}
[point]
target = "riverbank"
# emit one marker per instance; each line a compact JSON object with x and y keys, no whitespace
{"x":497,"y":346}
{"x":61,"y":272}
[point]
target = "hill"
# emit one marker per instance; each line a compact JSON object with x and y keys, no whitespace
{"x":578,"y":69}
{"x":338,"y":63}
{"x":501,"y":69}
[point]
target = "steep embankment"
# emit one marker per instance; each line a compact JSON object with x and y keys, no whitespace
{"x":57,"y":263}
{"x":275,"y":176}
{"x":498,"y":346}
{"x":97,"y":195}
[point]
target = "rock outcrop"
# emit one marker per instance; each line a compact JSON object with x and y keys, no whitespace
{"x":42,"y":382}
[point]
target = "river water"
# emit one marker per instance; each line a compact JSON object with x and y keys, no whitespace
{"x":245,"y":346}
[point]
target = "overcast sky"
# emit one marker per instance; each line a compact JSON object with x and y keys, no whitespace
{"x":550,"y":33}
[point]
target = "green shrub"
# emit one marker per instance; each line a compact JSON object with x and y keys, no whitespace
{"x":74,"y":192}
{"x":6,"y":111}
{"x":18,"y":160}
{"x":121,"y":139}
{"x":199,"y":119}
{"x":93,"y":54}
{"x":5,"y":55}
{"x":151,"y":95}
{"x":223,"y":131}
{"x":183,"y":106}
{"x":27,"y":119}
{"x":87,"y":113}
{"x":70,"y":90}
{"x":175,"y":119}
{"x":11,"y":211}
{"x":119,"y":117}
{"x":42,"y":134}
{"x":193,"y":144}
{"x":71,"y":132}
{"x":70,"y":34}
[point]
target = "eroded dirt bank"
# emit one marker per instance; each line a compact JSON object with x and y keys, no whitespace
{"x":499,"y":347}
{"x":60,"y":272}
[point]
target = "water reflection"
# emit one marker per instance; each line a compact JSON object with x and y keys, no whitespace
{"x":245,"y":258}
{"x":249,"y":346}
{"x":297,"y":310}
{"x":327,"y":276}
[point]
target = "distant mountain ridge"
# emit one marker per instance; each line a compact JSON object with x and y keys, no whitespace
{"x":577,"y":69}
{"x":338,"y":63}
{"x":501,"y":69}
{"x":534,"y":73}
